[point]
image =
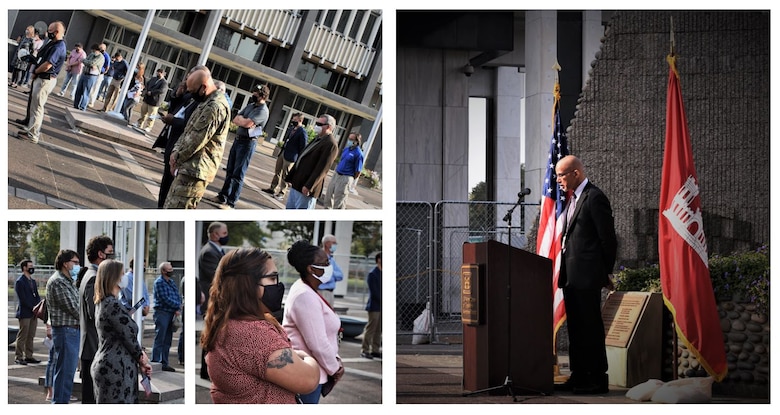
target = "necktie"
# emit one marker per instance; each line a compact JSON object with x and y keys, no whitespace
{"x":570,"y":209}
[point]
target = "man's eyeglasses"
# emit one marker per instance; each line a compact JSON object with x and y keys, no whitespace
{"x":562,"y":175}
{"x":321,"y":124}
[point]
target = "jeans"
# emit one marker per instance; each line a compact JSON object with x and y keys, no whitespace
{"x":180,"y":349}
{"x":66,"y":359}
{"x":238,"y":162}
{"x":82,"y":91}
{"x":127,"y":108}
{"x":103,"y":85}
{"x":49,"y":379}
{"x":313,"y":396}
{"x":70,"y":78}
{"x":296,"y":200}
{"x":163,"y":336}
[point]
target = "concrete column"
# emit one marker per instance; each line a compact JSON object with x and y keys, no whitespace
{"x":343,"y":235}
{"x":510,"y":91}
{"x":540,"y":56}
{"x":592,"y":32}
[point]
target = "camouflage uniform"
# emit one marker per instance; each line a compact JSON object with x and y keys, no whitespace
{"x":199,"y":152}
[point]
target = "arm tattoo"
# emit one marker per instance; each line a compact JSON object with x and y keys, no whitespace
{"x":283,"y":360}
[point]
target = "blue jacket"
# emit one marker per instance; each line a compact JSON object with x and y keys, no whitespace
{"x":338,"y":275}
{"x":27,"y":293}
{"x":374,"y":281}
{"x":295,"y":143}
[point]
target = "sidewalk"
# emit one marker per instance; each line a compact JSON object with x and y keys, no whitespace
{"x":92,"y":160}
{"x":433,"y":374}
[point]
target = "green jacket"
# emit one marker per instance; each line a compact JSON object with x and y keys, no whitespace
{"x":202,"y":144}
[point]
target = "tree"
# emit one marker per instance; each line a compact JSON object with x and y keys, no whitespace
{"x":366,"y":238}
{"x":18,"y":246}
{"x":45,"y":242}
{"x":240,"y":234}
{"x":294,"y":231}
{"x":482,"y":216}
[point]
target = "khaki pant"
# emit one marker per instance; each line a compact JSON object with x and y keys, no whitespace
{"x":147,"y":111}
{"x":372,"y":334}
{"x":186,"y":192}
{"x":338,"y":191}
{"x":280,"y":174}
{"x":39,"y":95}
{"x":25,"y":338}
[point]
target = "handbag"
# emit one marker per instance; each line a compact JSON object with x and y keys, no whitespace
{"x":176,"y":322}
{"x":40,"y":310}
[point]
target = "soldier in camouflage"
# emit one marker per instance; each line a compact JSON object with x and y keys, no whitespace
{"x":197,"y":155}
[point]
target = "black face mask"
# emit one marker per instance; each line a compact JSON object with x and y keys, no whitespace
{"x":198,"y":97}
{"x":272,"y":296}
{"x":224,"y":240}
{"x":50,"y":35}
{"x":31,"y":271}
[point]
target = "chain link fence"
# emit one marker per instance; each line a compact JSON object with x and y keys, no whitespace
{"x":430,"y":240}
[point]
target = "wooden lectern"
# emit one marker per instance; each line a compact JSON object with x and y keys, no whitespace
{"x":498,"y":341}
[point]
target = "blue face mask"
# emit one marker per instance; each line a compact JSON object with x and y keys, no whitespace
{"x":333,"y":248}
{"x":74,"y":273}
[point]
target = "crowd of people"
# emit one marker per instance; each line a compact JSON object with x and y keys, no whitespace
{"x":195,"y":128}
{"x":90,"y":325}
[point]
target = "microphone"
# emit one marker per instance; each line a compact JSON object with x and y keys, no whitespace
{"x":524,"y":192}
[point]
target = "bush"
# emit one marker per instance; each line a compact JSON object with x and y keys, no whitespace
{"x":742,"y":276}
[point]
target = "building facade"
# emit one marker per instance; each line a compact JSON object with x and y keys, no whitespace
{"x":314,"y":61}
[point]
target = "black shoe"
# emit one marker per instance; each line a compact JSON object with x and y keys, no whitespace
{"x":20,"y":362}
{"x":366,"y":355}
{"x":21,"y":121}
{"x":168,"y":369}
{"x":376,"y":355}
{"x":269,"y":191}
{"x":32,"y":360}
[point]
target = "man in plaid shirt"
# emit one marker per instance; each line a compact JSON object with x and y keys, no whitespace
{"x":167,"y":305}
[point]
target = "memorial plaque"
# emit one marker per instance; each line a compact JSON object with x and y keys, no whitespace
{"x":469,"y":283}
{"x":621,"y":313}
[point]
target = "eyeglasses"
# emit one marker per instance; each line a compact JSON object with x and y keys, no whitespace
{"x":321,"y":124}
{"x":562,"y":175}
{"x":75,"y":261}
{"x":273,"y":275}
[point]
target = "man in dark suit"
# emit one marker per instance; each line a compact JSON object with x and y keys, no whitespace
{"x":589,"y":251}
{"x":208,"y":260}
{"x":307,"y":175}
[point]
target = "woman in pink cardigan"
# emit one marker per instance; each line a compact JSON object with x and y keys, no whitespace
{"x":309,"y":320}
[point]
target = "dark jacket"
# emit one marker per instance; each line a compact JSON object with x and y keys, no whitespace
{"x":313,"y":165}
{"x":591,"y":245}
{"x":374,"y":282}
{"x":295,"y":143}
{"x":27,"y":293}
{"x":208,"y":259}
{"x":156,"y":88}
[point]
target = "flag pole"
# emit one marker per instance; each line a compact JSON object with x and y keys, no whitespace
{"x":557,"y":377}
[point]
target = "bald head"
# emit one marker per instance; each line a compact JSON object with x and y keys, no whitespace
{"x":56,"y":30}
{"x":199,"y":82}
{"x":570,"y":173}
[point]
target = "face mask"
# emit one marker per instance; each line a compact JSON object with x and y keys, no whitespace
{"x":351,"y":143}
{"x":317,"y":129}
{"x":123,"y":281}
{"x":333,"y":248}
{"x":50,"y":35}
{"x":327,"y":274}
{"x":110,"y":256}
{"x":135,"y":71}
{"x":253,"y":99}
{"x":198,"y":97}
{"x":224,"y":240}
{"x":31,"y":271}
{"x":74,"y":273}
{"x":272,"y":296}
{"x":293,"y":124}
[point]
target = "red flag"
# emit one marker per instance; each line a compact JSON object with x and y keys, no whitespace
{"x":682,"y":247}
{"x":548,"y":238}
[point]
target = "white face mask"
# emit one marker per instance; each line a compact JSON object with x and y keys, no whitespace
{"x":317,"y":129}
{"x":123,"y":281}
{"x":326,"y":276}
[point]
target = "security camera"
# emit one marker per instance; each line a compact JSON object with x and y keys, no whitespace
{"x":468,"y":69}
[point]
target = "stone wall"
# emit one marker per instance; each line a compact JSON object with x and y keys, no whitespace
{"x":618,"y":129}
{"x":746,"y":333}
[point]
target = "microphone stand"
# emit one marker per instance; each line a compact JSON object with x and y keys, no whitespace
{"x":508,"y":379}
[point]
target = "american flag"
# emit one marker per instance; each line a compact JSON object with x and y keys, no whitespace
{"x":548,"y":239}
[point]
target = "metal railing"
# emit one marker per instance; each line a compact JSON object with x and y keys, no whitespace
{"x":429,"y":246}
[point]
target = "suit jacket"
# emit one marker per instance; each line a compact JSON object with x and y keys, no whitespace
{"x":27,"y":292}
{"x":313,"y":165}
{"x":88,"y":344}
{"x":590,"y":246}
{"x":208,"y":259}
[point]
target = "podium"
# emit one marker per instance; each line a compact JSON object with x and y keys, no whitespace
{"x":491,"y":327}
